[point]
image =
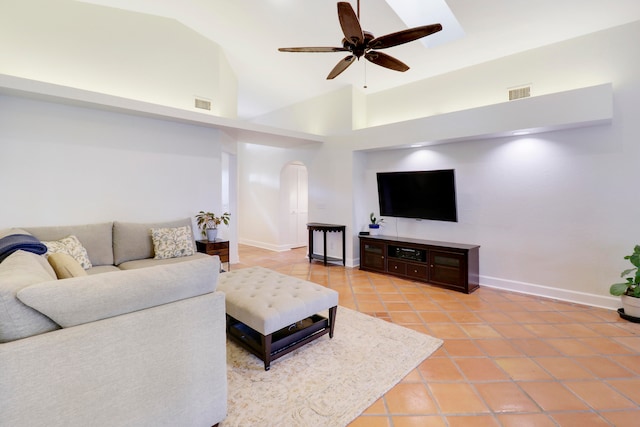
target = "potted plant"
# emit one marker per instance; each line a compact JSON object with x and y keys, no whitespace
{"x":629,"y":291}
{"x":374,"y":226}
{"x":209,"y":222}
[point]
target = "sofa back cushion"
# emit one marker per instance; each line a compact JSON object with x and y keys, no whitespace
{"x":20,"y":270}
{"x":132,"y":240}
{"x":97,"y":239}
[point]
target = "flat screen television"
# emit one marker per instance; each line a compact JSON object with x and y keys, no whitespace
{"x":418,"y":194}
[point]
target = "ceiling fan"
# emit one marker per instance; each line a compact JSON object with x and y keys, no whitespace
{"x":363,"y":43}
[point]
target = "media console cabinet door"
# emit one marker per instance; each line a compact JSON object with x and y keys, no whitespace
{"x":447,"y":268}
{"x":373,"y":255}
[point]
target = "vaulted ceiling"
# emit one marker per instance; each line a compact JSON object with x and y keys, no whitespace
{"x":251,"y":31}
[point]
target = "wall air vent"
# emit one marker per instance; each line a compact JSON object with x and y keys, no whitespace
{"x":519,"y":92}
{"x":203,"y":104}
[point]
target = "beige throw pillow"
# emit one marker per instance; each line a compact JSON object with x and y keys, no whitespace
{"x":172,"y":242}
{"x":66,"y":266}
{"x":70,"y":245}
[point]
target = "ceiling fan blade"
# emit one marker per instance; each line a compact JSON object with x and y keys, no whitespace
{"x":341,"y":66}
{"x":404,"y":36}
{"x":386,"y":61}
{"x":349,"y":23}
{"x":313,"y":49}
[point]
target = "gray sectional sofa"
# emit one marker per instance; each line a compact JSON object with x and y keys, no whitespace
{"x":136,"y":342}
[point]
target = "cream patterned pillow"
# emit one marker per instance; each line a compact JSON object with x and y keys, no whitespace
{"x":172,"y":242}
{"x":70,"y":245}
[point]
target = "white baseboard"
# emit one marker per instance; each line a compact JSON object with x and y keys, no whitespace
{"x":600,"y":301}
{"x":263,"y":245}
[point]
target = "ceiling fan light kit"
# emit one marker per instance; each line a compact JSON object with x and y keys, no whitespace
{"x":361,"y":43}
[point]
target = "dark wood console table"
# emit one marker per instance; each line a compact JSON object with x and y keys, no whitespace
{"x":315,"y":226}
{"x":450,"y":265}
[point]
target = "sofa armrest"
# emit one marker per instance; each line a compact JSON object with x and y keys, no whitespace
{"x":79,"y":300}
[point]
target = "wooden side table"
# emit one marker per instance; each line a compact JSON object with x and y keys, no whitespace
{"x":315,"y":226}
{"x":217,"y":247}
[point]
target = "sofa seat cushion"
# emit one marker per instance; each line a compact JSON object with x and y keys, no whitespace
{"x":86,"y":299}
{"x":19,"y":270}
{"x":99,"y":269}
{"x":150,"y":262}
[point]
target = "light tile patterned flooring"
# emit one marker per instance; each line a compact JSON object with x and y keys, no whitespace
{"x":507,"y":360}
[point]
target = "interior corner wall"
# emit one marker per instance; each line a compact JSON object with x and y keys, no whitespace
{"x":321,"y":115}
{"x":65,"y":165}
{"x":358,"y":109}
{"x":362,"y":206}
{"x":227,"y":102}
{"x":332,"y":193}
{"x":116,"y":52}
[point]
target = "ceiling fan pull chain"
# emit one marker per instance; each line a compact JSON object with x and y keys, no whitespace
{"x":365,"y":75}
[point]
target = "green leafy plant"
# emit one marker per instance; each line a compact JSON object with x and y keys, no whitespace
{"x":208,"y":220}
{"x":632,"y":285}
{"x":374,"y":220}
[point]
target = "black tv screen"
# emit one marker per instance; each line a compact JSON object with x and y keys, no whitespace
{"x":418,"y":194}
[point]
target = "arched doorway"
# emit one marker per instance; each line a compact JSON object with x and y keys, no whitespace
{"x":294,"y":189}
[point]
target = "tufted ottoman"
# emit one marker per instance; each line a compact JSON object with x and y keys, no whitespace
{"x":271,"y":314}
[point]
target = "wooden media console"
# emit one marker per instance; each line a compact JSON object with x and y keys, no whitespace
{"x":450,"y":265}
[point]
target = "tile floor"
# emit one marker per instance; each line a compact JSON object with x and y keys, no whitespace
{"x":507,"y":360}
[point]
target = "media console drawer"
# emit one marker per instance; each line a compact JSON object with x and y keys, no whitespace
{"x":451,"y":265}
{"x":418,"y":271}
{"x":396,"y":267}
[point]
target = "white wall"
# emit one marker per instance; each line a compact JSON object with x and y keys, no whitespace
{"x":63,"y":164}
{"x":113,"y":51}
{"x":585,"y":61}
{"x":546,"y":210}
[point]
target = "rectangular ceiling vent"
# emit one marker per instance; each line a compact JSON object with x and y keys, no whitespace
{"x":203,"y":104}
{"x":519,"y":92}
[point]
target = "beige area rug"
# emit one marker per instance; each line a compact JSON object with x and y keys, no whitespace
{"x":328,"y":382}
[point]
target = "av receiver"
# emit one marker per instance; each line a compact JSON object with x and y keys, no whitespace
{"x":410,"y":253}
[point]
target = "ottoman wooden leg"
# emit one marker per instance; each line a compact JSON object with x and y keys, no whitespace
{"x":266,"y":351}
{"x":332,"y":320}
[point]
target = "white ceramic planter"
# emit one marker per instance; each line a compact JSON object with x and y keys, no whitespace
{"x":374,"y":229}
{"x":631,"y":306}
{"x":212,"y":233}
